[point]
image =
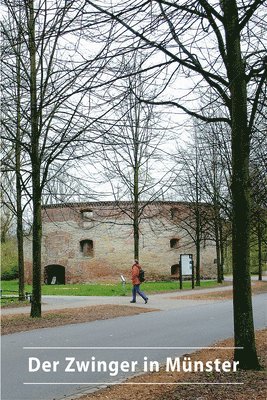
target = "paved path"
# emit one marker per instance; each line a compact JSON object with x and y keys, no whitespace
{"x":163,"y":301}
{"x":182,"y":323}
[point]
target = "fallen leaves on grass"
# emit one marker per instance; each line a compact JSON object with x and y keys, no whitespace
{"x":22,"y":322}
{"x":12,"y":303}
{"x":257,"y":288}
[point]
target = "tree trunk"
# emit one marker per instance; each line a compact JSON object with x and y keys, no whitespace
{"x":243,"y":314}
{"x":36,"y":250}
{"x":136,"y":214}
{"x":18,"y":175}
{"x":36,"y":171}
{"x":20,"y":240}
{"x":198,"y":240}
{"x":198,"y":222}
{"x":217,"y":221}
{"x":218,"y":252}
{"x":5,"y":225}
{"x":259,"y":234}
{"x":221,"y":249}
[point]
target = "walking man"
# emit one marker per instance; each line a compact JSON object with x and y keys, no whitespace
{"x":136,"y":282}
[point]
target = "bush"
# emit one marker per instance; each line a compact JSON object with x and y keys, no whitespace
{"x":9,"y":260}
{"x":9,"y":275}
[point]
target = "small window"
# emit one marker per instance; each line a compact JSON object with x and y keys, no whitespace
{"x":87,"y":214}
{"x":174,"y":212}
{"x":174,"y":243}
{"x":87,"y":248}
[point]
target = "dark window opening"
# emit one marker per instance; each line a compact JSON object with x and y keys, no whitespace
{"x":174,"y":243}
{"x":54,"y":275}
{"x":175,"y":269}
{"x":174,"y":213}
{"x":87,"y":248}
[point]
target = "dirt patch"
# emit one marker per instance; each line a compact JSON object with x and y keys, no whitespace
{"x":21,"y":322}
{"x":257,"y":288}
{"x":244,"y":385}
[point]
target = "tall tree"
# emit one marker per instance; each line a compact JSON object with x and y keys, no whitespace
{"x":215,"y":178}
{"x":55,"y":119}
{"x":188,"y":169}
{"x":231,"y":64}
{"x":18,"y":155}
{"x":259,"y":213}
{"x":132,"y":150}
{"x":14,"y":163}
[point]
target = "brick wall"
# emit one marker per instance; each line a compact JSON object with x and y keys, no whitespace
{"x":111,"y":234}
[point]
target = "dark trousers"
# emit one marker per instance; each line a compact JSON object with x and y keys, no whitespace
{"x":136,"y":289}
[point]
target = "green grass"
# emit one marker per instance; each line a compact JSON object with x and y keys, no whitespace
{"x":98,"y":289}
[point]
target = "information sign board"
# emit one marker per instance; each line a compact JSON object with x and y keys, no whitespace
{"x":186,"y":263}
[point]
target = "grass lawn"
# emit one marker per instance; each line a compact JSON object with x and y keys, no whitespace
{"x":95,"y":289}
{"x":98,"y":289}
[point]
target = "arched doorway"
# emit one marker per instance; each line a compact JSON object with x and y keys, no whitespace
{"x":175,"y":269}
{"x":54,"y":274}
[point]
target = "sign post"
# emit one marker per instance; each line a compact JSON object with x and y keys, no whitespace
{"x":123,"y":282}
{"x":186,"y":267}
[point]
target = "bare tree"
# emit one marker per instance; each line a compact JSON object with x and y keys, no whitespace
{"x":258,"y":168}
{"x":203,"y":169}
{"x":188,"y":186}
{"x":12,"y":153}
{"x":55,"y":120}
{"x":215,"y":183}
{"x":210,"y":54}
{"x":259,"y":213}
{"x":132,"y":153}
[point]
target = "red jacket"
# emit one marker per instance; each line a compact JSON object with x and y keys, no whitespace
{"x":135,"y":274}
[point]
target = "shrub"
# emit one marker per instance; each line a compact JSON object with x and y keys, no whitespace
{"x":9,"y":275}
{"x":9,"y":260}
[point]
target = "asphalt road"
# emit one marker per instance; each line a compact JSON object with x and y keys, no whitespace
{"x":63,"y":359}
